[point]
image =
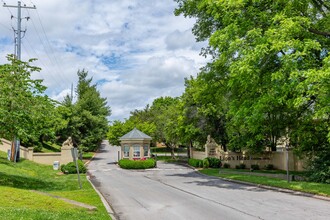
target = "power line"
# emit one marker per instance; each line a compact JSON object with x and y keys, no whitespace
{"x":54,"y":69}
{"x":47,"y":40}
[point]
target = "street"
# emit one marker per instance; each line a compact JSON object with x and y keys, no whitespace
{"x":173,"y":191}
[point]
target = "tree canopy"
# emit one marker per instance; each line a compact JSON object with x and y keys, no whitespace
{"x":86,"y":119}
{"x":270,"y":60}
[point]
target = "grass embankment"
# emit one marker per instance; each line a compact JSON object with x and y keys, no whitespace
{"x":18,"y":201}
{"x":309,"y":187}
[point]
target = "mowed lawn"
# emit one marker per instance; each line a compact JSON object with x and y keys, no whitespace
{"x":20,"y":184}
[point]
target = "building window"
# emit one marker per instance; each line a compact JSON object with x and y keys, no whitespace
{"x":145,"y":151}
{"x":136,"y":151}
{"x":126,"y":151}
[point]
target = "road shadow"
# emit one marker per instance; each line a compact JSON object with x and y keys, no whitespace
{"x":216,"y":182}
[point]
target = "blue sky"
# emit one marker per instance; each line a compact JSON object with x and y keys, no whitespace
{"x":135,"y":50}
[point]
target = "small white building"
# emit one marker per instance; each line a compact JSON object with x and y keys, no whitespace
{"x":135,"y":145}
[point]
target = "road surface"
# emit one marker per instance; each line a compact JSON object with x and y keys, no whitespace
{"x":178,"y":192}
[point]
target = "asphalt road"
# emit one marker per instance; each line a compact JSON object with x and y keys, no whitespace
{"x":178,"y":192}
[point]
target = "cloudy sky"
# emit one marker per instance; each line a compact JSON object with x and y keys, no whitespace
{"x":135,"y":50}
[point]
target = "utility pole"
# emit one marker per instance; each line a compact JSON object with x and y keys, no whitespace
{"x":71,"y":93}
{"x":19,"y":31}
{"x":18,"y":37}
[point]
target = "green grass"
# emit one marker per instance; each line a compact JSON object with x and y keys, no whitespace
{"x":309,"y":187}
{"x":18,"y":201}
{"x":301,"y":173}
{"x":168,"y":159}
{"x":156,"y":150}
{"x":88,"y":155}
{"x":48,"y":147}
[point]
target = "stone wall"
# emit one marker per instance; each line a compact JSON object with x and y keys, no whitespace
{"x":63,"y":157}
{"x":277,"y":159}
{"x":198,"y":154}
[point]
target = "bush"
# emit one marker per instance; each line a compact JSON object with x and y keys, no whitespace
{"x":214,"y":162}
{"x":71,"y":167}
{"x":319,"y":168}
{"x":255,"y":167}
{"x":200,"y":163}
{"x":206,"y":163}
{"x":269,"y":167}
{"x":241,"y":166}
{"x":137,"y":164}
{"x":195,"y":162}
{"x":226,"y":165}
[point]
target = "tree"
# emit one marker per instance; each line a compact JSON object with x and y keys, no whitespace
{"x":86,"y":120}
{"x":263,"y":50}
{"x":273,"y":57}
{"x":205,"y":108}
{"x":164,"y":115}
{"x":21,"y":101}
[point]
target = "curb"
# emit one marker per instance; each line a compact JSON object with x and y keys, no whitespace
{"x":104,"y":201}
{"x":289,"y":191}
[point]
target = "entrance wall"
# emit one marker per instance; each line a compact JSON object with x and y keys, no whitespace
{"x":277,"y":159}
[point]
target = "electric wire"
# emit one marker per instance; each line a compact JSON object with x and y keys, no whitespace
{"x":54,"y":74}
{"x":45,"y":67}
{"x":54,"y":70}
{"x":51,"y":48}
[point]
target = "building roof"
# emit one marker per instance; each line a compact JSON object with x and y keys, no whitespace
{"x":135,"y":134}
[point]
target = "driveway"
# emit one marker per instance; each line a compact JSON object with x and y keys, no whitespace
{"x":173,"y":191}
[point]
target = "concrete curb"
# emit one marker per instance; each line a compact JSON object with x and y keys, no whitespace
{"x":104,"y":201}
{"x":293,"y":192}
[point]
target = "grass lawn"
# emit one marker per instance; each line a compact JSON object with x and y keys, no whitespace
{"x":18,"y":201}
{"x":309,"y":187}
{"x":48,"y":147}
{"x":88,"y":155}
{"x":168,"y":159}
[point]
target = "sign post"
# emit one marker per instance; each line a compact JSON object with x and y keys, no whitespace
{"x":287,"y":163}
{"x":74,"y":154}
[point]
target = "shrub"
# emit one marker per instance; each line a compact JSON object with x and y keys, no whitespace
{"x":226,"y":165}
{"x":71,"y":167}
{"x":195,"y":162}
{"x":240,"y":166}
{"x":255,"y":167}
{"x":137,"y":164}
{"x":37,"y":148}
{"x":269,"y":167}
{"x":319,"y":167}
{"x":206,"y":163}
{"x":214,"y":162}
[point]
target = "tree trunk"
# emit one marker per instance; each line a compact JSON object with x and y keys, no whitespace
{"x":172,"y":151}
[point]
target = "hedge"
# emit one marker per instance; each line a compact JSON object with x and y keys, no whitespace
{"x":214,"y":162}
{"x":195,"y":162}
{"x":71,"y":167}
{"x":137,"y":164}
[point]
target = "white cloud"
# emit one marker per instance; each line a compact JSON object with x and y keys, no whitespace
{"x":136,"y":50}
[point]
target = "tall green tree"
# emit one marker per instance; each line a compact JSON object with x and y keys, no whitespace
{"x":86,"y":119}
{"x":267,"y":53}
{"x":22,"y":102}
{"x":91,"y":113}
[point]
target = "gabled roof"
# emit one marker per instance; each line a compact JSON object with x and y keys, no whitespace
{"x":135,"y":134}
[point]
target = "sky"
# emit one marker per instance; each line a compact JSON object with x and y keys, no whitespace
{"x":135,"y":50}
